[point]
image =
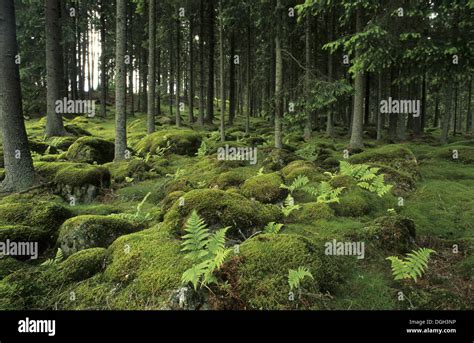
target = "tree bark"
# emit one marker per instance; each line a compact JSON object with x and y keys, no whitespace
{"x":103,"y":81}
{"x":221,"y":67}
{"x":191,"y":72}
{"x":308,"y":129}
{"x":120,"y":82}
{"x":151,"y":66}
{"x":210,"y":78}
{"x":469,"y":108}
{"x":356,"y":141}
{"x":278,"y":81}
{"x":178,"y":73}
{"x":54,"y":122}
{"x":19,"y":171}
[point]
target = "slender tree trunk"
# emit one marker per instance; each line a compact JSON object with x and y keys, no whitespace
{"x":379,"y":113}
{"x":103,"y":76}
{"x":120,"y":82}
{"x":191,"y":72}
{"x":356,"y":141}
{"x":278,"y":82}
{"x":469,"y":108}
{"x":54,"y":121}
{"x":210,"y":79}
{"x":232,"y":98}
{"x":446,"y":118}
{"x":249,"y":82}
{"x":151,"y":66}
{"x":178,"y":73}
{"x":201,"y":64}
{"x":221,"y":67}
{"x":19,"y":172}
{"x":455,"y":124}
{"x":308,"y":129}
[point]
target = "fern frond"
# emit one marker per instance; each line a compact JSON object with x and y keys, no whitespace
{"x":196,"y":238}
{"x":295,"y":277}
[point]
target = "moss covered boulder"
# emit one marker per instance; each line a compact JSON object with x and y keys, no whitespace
{"x":264,"y":188}
{"x":9,"y":265}
{"x":395,"y":156}
{"x":137,"y":169}
{"x":22,"y":234}
{"x":261,"y":271}
{"x":90,"y":150}
{"x":90,"y":231}
{"x":181,"y":142}
{"x":219,"y":209}
{"x":42,"y":148}
{"x":80,"y":180}
{"x":456,"y":153}
{"x":62,"y":143}
{"x":311,"y":212}
{"x":299,"y":168}
{"x":83,"y":264}
{"x":355,"y":203}
{"x":278,"y":158}
{"x":392,"y":233}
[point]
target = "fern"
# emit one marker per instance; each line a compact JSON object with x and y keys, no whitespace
{"x":260,"y":171}
{"x":138,"y":217}
{"x":325,"y":193}
{"x":412,"y":266}
{"x":298,"y":183}
{"x":207,"y":252}
{"x":178,"y":173}
{"x":202,"y":151}
{"x":295,"y":277}
{"x":366,"y":176}
{"x":272,"y":228}
{"x":57,"y":259}
{"x":289,"y":206}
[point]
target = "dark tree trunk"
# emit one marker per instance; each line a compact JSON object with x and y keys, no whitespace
{"x":201,"y":64}
{"x":178,"y":73}
{"x":19,"y":172}
{"x":120,"y":82}
{"x":103,"y":76}
{"x":232,"y":80}
{"x":191,"y":72}
{"x":210,"y":78}
{"x":151,"y":66}
{"x":469,"y":108}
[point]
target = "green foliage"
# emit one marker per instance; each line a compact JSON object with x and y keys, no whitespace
{"x":58,"y":258}
{"x":366,"y":176}
{"x":202,"y":151}
{"x":295,"y":277}
{"x":298,"y":183}
{"x":412,"y":266}
{"x":272,"y":228}
{"x":206,"y":251}
{"x":325,"y":193}
{"x":138,"y":217}
{"x":289,"y":206}
{"x":177,"y":174}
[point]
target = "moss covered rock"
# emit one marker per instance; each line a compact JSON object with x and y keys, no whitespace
{"x":262,"y":271}
{"x":137,"y":169}
{"x":355,"y":203}
{"x":456,"y":153}
{"x":302,"y":167}
{"x":311,"y":212}
{"x":23,"y":234}
{"x":396,"y":156}
{"x":392,"y":233}
{"x":278,"y":158}
{"x":91,"y":231}
{"x":41,"y":147}
{"x":233,"y":178}
{"x":62,"y":143}
{"x":90,"y":150}
{"x":181,"y":142}
{"x":83,"y":264}
{"x":264,"y":188}
{"x":219,"y":209}
{"x":9,"y":265}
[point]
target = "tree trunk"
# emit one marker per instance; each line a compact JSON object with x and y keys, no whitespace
{"x":446,"y":118}
{"x":379,"y":113}
{"x":151,"y":66}
{"x":469,"y":108}
{"x":221,"y":67}
{"x":278,"y":81}
{"x":178,"y":73}
{"x":120,"y":82}
{"x":210,"y":79}
{"x":103,"y":82}
{"x":19,"y":172}
{"x":356,"y":141}
{"x":308,"y":129}
{"x":191,"y":72}
{"x":201,"y":64}
{"x":232,"y":98}
{"x":54,"y":121}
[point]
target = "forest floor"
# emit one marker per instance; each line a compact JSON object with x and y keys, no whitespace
{"x":119,"y":254}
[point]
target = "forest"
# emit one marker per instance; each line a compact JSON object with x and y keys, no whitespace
{"x":236,"y":155}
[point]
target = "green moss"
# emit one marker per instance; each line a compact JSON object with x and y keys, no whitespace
{"x":355,"y":203}
{"x":89,"y":231}
{"x":21,"y":233}
{"x":41,"y":147}
{"x":9,"y":265}
{"x":396,"y":156}
{"x":465,"y":154}
{"x":391,"y":233}
{"x":170,"y":199}
{"x":90,"y":150}
{"x":62,"y":143}
{"x":43,"y":215}
{"x":311,"y":212}
{"x":276,"y":159}
{"x":466,"y":267}
{"x":73,"y":174}
{"x":220,"y":209}
{"x":301,"y":167}
{"x":181,"y":142}
{"x":136,"y":169}
{"x":233,"y":178}
{"x":83,"y":264}
{"x":264,"y":188}
{"x":262,"y":271}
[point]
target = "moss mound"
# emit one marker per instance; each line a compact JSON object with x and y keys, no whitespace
{"x":233,"y":178}
{"x":91,"y":231}
{"x":278,"y":158}
{"x":396,"y":156}
{"x":220,"y":209}
{"x":9,"y":265}
{"x":83,"y":264}
{"x":311,"y":212}
{"x":90,"y":150}
{"x":22,"y":233}
{"x":301,"y":167}
{"x":181,"y":142}
{"x":62,"y":143}
{"x":41,"y":147}
{"x":262,"y":271}
{"x":355,"y":203}
{"x":43,"y":215}
{"x":465,"y":154}
{"x":392,"y":233}
{"x":136,"y":169}
{"x":73,"y":174}
{"x":264,"y":188}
